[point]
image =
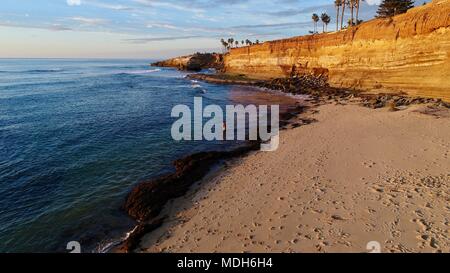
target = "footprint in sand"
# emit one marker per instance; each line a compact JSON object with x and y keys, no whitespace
{"x":369,"y":164}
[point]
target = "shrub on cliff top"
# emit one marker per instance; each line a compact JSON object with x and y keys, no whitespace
{"x":389,"y":8}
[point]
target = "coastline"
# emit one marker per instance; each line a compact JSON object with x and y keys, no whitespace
{"x":356,"y":175}
{"x":151,"y":214}
{"x":147,"y":199}
{"x":126,"y":126}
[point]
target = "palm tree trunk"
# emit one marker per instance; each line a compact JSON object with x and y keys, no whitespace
{"x":358,"y":2}
{"x":337,"y":19}
{"x":352,"y":8}
{"x":343,"y":13}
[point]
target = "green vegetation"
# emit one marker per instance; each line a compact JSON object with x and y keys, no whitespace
{"x":325,"y":21}
{"x":232,"y":43}
{"x":389,"y":8}
{"x":315,"y":19}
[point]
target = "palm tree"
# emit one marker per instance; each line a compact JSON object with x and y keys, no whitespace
{"x":315,"y":19}
{"x":325,"y":20}
{"x":337,"y":4}
{"x":322,"y":17}
{"x":344,"y":3}
{"x":257,"y":42}
{"x":224,"y":44}
{"x":355,"y":11}
{"x":236,"y":43}
{"x":352,"y":11}
{"x":231,"y":42}
{"x":242,"y":42}
{"x":358,"y":4}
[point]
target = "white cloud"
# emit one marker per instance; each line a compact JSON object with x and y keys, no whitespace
{"x":89,"y":21}
{"x":373,"y":2}
{"x":73,"y":2}
{"x":158,"y":4}
{"x":166,"y":26}
{"x":109,"y":6}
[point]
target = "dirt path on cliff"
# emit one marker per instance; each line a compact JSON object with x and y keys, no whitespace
{"x":355,"y":176}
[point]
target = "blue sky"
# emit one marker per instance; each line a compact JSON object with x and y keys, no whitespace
{"x":149,"y":28}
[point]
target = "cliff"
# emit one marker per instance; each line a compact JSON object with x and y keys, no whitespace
{"x":409,"y":53}
{"x":194,"y":62}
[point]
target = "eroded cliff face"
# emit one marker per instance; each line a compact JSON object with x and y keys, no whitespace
{"x":194,"y":62}
{"x":409,"y":53}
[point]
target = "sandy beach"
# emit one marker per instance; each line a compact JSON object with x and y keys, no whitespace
{"x":355,"y":175}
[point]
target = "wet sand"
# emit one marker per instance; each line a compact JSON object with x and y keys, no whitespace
{"x":354,"y":176}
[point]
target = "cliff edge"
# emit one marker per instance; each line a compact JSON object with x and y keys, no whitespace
{"x":408,"y":53}
{"x":195,"y":62}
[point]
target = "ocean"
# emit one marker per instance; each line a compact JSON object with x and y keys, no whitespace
{"x":76,"y":136}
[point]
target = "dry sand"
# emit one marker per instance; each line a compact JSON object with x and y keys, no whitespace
{"x":356,"y":175}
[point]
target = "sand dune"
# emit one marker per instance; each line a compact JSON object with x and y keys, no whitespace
{"x":354,"y":176}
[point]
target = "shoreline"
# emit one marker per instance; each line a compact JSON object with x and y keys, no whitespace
{"x":148,"y":214}
{"x":331,"y":187}
{"x":147,"y":199}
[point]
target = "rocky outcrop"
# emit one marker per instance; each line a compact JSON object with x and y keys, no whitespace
{"x":220,"y":78}
{"x":148,"y":198}
{"x":317,"y":87}
{"x":407,"y":53}
{"x":194,"y":62}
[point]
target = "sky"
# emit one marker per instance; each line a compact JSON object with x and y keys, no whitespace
{"x":150,"y":28}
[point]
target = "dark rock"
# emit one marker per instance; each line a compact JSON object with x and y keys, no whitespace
{"x":147,"y":199}
{"x":194,"y":62}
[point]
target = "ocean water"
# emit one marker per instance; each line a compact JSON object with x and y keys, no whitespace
{"x":75,"y":136}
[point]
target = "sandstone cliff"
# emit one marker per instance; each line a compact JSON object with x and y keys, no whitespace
{"x":409,"y":53}
{"x":194,"y":62}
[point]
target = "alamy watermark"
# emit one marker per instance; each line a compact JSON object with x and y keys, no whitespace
{"x":73,"y":247}
{"x":236,"y":122}
{"x":373,"y":247}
